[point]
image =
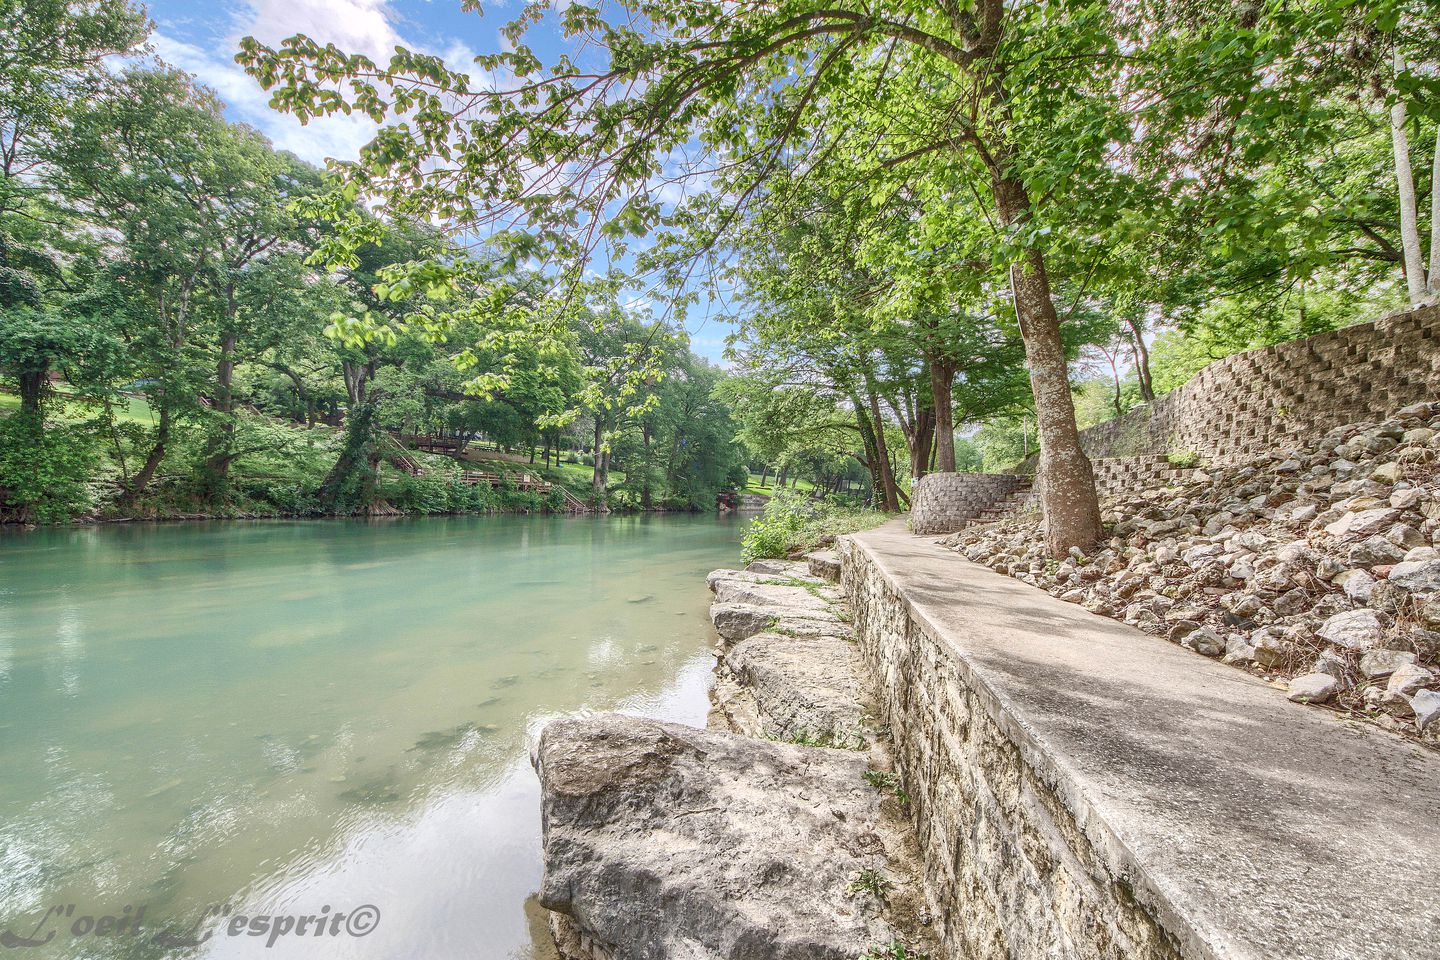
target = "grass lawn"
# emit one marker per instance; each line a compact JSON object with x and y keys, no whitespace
{"x":753,"y":486}
{"x":572,"y":473}
{"x":127,"y":409}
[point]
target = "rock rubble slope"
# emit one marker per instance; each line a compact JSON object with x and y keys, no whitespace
{"x":1317,"y":569}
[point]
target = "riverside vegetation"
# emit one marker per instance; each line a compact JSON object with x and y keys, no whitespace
{"x":915,"y":217}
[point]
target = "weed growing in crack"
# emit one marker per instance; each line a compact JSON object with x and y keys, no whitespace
{"x":872,"y":882}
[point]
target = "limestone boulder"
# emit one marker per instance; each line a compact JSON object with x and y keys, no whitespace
{"x":778,"y":594}
{"x":663,"y":841}
{"x":736,"y":621}
{"x":805,"y":688}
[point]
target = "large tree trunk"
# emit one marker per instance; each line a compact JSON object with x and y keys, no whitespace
{"x":922,"y":442}
{"x":350,"y":484}
{"x":942,"y":392}
{"x":152,"y":460}
{"x":32,"y":391}
{"x":1067,"y":492}
{"x":1405,"y":182}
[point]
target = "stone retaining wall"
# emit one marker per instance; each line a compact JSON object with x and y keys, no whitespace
{"x":1082,"y":791}
{"x":1008,"y":871}
{"x":1116,"y":476}
{"x":943,"y":502}
{"x":1284,"y":395}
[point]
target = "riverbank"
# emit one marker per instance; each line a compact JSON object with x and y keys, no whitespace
{"x":521,"y":505}
{"x":780,"y":828}
{"x":1048,"y":780}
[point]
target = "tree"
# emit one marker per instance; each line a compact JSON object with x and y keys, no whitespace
{"x":577,"y":151}
{"x":52,"y":57}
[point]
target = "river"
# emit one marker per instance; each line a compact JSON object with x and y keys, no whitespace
{"x":303,"y":718}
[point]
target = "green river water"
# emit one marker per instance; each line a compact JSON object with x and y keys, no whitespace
{"x":302,"y":718}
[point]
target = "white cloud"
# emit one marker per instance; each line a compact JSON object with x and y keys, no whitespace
{"x":355,"y":26}
{"x":338,"y":136}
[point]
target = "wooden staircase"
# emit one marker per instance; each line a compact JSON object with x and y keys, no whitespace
{"x":574,"y":504}
{"x":405,"y":464}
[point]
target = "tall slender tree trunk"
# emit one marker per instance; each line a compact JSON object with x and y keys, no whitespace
{"x":1405,"y":183}
{"x":1067,"y":491}
{"x":600,"y":474}
{"x":217,"y":465}
{"x":887,"y":471}
{"x":646,"y":495}
{"x":942,"y":393}
{"x":1142,"y":359}
{"x":1435,"y":215}
{"x":872,"y":458}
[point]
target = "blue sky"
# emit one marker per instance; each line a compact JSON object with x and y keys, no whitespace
{"x":201,"y":38}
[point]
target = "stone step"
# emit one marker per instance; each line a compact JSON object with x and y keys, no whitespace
{"x":824,"y":564}
{"x":795,"y":689}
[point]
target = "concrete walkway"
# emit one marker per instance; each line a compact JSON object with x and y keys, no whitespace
{"x":1250,"y":826}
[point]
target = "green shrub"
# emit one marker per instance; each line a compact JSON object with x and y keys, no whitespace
{"x":43,"y":470}
{"x":281,"y":495}
{"x":794,"y":523}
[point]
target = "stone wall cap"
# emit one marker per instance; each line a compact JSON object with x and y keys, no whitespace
{"x":1251,"y":827}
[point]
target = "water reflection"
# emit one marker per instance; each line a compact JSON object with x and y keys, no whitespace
{"x":281,"y":717}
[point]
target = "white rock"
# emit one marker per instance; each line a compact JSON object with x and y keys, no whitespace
{"x":1406,"y":499}
{"x":1206,"y":642}
{"x":1365,"y":523}
{"x":1417,"y":576}
{"x":1357,"y":584}
{"x":1378,"y":664}
{"x":1250,"y":540}
{"x":1238,"y":648}
{"x":1298,"y":551}
{"x":1406,"y":679}
{"x":1204,"y":551}
{"x":1313,"y":688}
{"x":1426,"y":704}
{"x":1353,"y":629}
